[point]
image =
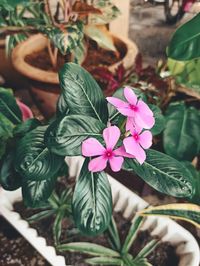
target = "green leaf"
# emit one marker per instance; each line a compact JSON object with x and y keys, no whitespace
{"x":164,"y":174}
{"x":23,"y":128}
{"x":9,"y":178}
{"x":57,"y":226}
{"x":114,"y":235}
{"x":65,"y":136}
{"x":100,"y":35}
{"x":181,"y":134}
{"x":92,"y":202}
{"x":104,"y":261}
{"x":88,"y":248}
{"x":186,"y":72}
{"x":184,"y":44}
{"x":40,"y":215}
{"x":33,"y":160}
{"x":82,"y":93}
{"x":65,"y":40}
{"x":62,"y":108}
{"x":159,"y":120}
{"x":36,"y":193}
{"x":9,"y":107}
{"x":147,"y":249}
{"x":135,"y":226}
{"x":181,"y":211}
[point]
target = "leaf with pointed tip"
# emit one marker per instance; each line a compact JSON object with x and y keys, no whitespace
{"x":159,"y":120}
{"x":23,"y":128}
{"x":9,"y":107}
{"x":65,"y":136}
{"x":9,"y":178}
{"x":33,"y":160}
{"x":82,"y":93}
{"x":164,"y":174}
{"x":104,"y":261}
{"x":92,"y":202}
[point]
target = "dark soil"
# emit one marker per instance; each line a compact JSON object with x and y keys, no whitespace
{"x":15,"y":250}
{"x":163,"y":255}
{"x":95,"y":57}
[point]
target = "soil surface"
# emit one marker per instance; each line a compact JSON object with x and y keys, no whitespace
{"x":163,"y":255}
{"x":15,"y":250}
{"x":95,"y":57}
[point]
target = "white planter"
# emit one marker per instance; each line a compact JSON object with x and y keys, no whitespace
{"x":125,"y":201}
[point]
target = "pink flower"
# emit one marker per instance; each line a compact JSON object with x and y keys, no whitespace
{"x":137,"y":142}
{"x":92,"y":147}
{"x":137,"y":111}
{"x":26,"y":111}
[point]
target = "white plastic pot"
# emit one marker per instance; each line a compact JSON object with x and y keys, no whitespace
{"x":124,"y":201}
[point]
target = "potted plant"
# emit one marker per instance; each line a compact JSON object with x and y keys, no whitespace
{"x":117,"y":132}
{"x":77,"y":29}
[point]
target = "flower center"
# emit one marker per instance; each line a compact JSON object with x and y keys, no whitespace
{"x":136,"y":136}
{"x":133,"y":107}
{"x":108,"y":154}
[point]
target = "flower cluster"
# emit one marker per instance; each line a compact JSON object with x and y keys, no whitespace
{"x":139,"y":118}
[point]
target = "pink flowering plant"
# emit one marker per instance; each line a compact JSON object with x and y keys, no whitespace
{"x":115,"y":132}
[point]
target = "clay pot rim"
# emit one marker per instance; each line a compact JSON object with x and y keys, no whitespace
{"x":34,"y":73}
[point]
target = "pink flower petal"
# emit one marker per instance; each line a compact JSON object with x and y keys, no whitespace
{"x":145,"y":139}
{"x":144,"y":108}
{"x":116,"y":163}
{"x":26,"y":111}
{"x":111,"y":136}
{"x":144,"y":121}
{"x":126,"y":111}
{"x":98,"y":164}
{"x":92,"y":147}
{"x":130,"y":96}
{"x":117,"y":102}
{"x":132,"y":147}
{"x":122,"y":152}
{"x":132,"y":126}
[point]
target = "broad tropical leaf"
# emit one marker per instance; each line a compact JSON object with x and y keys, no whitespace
{"x":81,"y":93}
{"x":65,"y":136}
{"x":33,"y":160}
{"x":100,"y":35}
{"x":9,"y":178}
{"x":6,"y":132}
{"x":23,"y":128}
{"x":36,"y":193}
{"x":184,"y":44}
{"x":181,"y":134}
{"x":159,"y":120}
{"x":92,"y":202}
{"x":164,"y":174}
{"x":181,"y":211}
{"x":9,"y":107}
{"x":88,"y":248}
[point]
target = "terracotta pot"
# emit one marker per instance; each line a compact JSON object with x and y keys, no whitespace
{"x":45,"y":84}
{"x":8,"y":72}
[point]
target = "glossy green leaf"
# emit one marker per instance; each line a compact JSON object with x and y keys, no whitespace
{"x":159,"y":120}
{"x":182,"y":211}
{"x":23,"y":128}
{"x":104,"y":261}
{"x":61,"y":107}
{"x":164,"y":174}
{"x":33,"y":160}
{"x":181,"y":134}
{"x":147,"y":249}
{"x":57,"y":226}
{"x":82,"y":93}
{"x":9,"y":178}
{"x":9,"y":107}
{"x":6,"y":132}
{"x":40,"y":215}
{"x":184,"y":44}
{"x":88,"y":248}
{"x":36,"y":193}
{"x":113,"y":235}
{"x":92,"y":202}
{"x":65,"y":136}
